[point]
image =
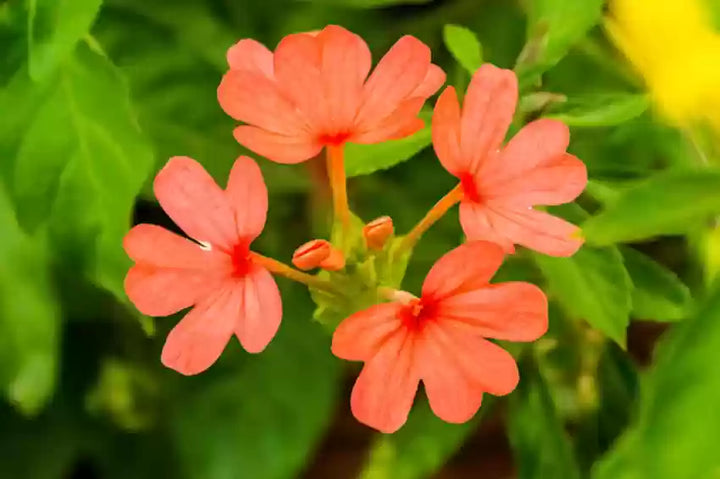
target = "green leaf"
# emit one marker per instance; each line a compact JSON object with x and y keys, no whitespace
{"x":540,"y":444}
{"x":602,"y":191}
{"x":54,"y":28}
{"x":420,"y":447}
{"x":262,"y":421}
{"x":658,"y":293}
{"x":464,"y":46}
{"x":366,"y":159}
{"x":29,"y":317}
{"x":677,"y":428}
{"x":553,"y":27}
{"x":81,"y":180}
{"x":596,"y":110}
{"x":138,"y":39}
{"x":618,"y":385}
{"x":668,"y":203}
{"x":593,"y":284}
{"x":207,"y":35}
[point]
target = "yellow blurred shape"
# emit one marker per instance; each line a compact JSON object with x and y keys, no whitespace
{"x":673,"y":46}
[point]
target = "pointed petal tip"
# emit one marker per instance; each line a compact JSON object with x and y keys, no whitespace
{"x":578,"y":235}
{"x":572,"y":244}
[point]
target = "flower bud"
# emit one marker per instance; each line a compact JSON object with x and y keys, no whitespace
{"x":377,"y":232}
{"x":335,"y":261}
{"x":311,"y":254}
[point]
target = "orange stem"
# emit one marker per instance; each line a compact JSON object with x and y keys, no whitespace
{"x":279,"y":268}
{"x":453,"y":197}
{"x":336,"y":173}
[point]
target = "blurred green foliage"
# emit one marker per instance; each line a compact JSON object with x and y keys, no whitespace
{"x":96,"y":95}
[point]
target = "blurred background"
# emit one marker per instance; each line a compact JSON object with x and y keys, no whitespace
{"x":95,"y":95}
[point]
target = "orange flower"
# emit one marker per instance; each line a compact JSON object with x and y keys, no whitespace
{"x":439,"y":338}
{"x":377,"y":232}
{"x":231,"y":291}
{"x":314,"y":91}
{"x":311,"y":254}
{"x":318,"y":253}
{"x":500,"y":186}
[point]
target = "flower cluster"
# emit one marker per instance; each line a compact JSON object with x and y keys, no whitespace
{"x":315,"y":92}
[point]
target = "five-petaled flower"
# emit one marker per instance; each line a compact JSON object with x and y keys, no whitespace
{"x":314,"y":91}
{"x":231,"y":293}
{"x":500,"y":186}
{"x":440,"y":338}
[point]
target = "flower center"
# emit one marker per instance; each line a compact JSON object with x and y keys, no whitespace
{"x":469,"y":187}
{"x":334,"y":139}
{"x":415,"y":314}
{"x":241,"y":263}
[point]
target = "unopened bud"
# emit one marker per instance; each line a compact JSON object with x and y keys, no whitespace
{"x":335,"y":261}
{"x":377,"y":232}
{"x":311,"y":254}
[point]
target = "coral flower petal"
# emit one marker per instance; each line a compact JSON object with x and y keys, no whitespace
{"x":398,"y":74}
{"x":446,"y":132}
{"x":533,"y":229}
{"x":485,"y":365}
{"x":247,"y":194}
{"x":253,"y":98}
{"x":434,"y":79}
{"x":467,"y":267}
{"x":512,"y":311}
{"x":399,"y":124}
{"x":452,"y":395}
{"x":556,"y":182}
{"x":477,"y":224}
{"x":346,"y":62}
{"x":298,"y":69}
{"x":407,"y":128}
{"x":164,"y":291}
{"x":383,"y":393}
{"x":260,"y":310}
{"x":538,"y":143}
{"x":197,"y":341}
{"x":155,"y":246}
{"x":247,"y":54}
{"x":361,"y":335}
{"x":279,"y":148}
{"x":342,"y":47}
{"x":193,"y":200}
{"x":172,"y":272}
{"x":487,"y":113}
